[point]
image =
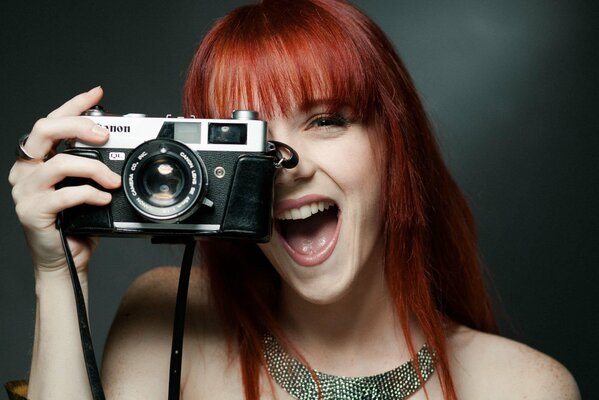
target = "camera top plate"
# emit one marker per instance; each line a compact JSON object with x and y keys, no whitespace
{"x":242,"y":133}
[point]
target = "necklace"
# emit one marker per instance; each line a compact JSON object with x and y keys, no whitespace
{"x":297,"y":380}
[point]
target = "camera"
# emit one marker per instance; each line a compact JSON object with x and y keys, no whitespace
{"x":180,"y":177}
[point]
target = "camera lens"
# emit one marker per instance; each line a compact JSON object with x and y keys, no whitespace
{"x":164,"y":180}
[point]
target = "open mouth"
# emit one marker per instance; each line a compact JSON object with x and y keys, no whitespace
{"x":309,"y":233}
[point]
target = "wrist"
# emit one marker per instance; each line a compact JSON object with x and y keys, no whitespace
{"x":58,"y":265}
{"x":57,"y":275}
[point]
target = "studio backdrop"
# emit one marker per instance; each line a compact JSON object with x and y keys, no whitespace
{"x":511,"y":89}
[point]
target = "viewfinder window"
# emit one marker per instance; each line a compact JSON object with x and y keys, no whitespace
{"x":227,"y":133}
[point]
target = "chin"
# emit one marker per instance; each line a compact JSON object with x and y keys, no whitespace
{"x":323,"y":284}
{"x":321,"y":291}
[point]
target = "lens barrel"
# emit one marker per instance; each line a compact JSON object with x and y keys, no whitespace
{"x":164,"y":180}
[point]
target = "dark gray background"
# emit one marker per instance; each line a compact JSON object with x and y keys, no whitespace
{"x":510,"y":87}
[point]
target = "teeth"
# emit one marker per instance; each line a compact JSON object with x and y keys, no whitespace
{"x":314,"y":208}
{"x":305,"y":211}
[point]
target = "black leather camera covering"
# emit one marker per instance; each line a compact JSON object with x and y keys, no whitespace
{"x":249,"y":209}
{"x":84,"y":216}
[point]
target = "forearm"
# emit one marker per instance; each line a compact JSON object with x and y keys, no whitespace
{"x":57,"y":368}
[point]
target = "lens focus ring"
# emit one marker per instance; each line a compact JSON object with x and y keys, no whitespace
{"x":164,"y":180}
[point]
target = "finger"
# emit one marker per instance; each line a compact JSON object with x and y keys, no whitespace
{"x":37,"y":214}
{"x":64,"y":165}
{"x":48,"y":131}
{"x":79,"y":103}
{"x":71,"y":196}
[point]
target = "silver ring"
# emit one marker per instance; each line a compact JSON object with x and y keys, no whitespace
{"x":22,"y":153}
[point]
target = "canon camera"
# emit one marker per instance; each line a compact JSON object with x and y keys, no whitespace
{"x":181,"y":177}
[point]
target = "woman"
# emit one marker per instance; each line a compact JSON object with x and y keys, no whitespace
{"x":373,"y":259}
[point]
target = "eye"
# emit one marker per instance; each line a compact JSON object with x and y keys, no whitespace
{"x":328,"y":122}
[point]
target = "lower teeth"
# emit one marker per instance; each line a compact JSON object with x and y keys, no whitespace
{"x":310,"y":236}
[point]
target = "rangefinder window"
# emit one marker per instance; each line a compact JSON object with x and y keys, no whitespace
{"x":187,"y":132}
{"x":227,"y":133}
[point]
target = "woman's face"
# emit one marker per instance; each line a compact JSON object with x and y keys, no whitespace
{"x":328,"y":227}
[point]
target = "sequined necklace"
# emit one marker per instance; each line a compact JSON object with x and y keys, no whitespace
{"x":296,"y":379}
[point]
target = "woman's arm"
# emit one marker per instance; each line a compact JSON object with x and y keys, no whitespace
{"x":57,"y":368}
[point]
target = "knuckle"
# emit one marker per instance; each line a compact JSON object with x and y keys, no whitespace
{"x":89,"y":191}
{"x":16,"y":193}
{"x":62,"y":194}
{"x":13,"y":175}
{"x":60,"y":158}
{"x":93,"y":193}
{"x":61,"y":162}
{"x":23,"y":212}
{"x":40,"y":126}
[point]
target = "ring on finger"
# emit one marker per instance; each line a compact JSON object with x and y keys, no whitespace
{"x":22,"y":154}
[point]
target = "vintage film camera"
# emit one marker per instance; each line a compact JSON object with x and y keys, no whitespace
{"x":180,"y":177}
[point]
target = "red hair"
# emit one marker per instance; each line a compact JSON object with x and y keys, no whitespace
{"x":279,"y":55}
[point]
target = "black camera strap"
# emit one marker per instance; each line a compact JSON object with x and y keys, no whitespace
{"x":93,"y":374}
{"x":284,"y":155}
{"x":91,"y":365}
{"x":174,"y":382}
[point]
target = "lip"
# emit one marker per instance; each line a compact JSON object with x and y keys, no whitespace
{"x":303,"y":259}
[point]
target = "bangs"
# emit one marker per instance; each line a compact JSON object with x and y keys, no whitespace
{"x":269,"y":60}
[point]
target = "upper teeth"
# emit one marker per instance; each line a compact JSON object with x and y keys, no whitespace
{"x":305,"y":211}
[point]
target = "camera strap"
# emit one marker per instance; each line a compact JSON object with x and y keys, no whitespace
{"x":93,"y":374}
{"x":285,"y":156}
{"x":174,"y":382}
{"x":91,"y":365}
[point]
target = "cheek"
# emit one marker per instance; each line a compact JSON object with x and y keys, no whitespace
{"x":354,"y":169}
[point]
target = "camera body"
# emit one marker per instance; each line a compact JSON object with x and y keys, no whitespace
{"x":180,"y":177}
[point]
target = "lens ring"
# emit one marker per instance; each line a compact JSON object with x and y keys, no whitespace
{"x":164,"y":180}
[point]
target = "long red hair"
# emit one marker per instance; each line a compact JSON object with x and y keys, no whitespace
{"x":281,"y":54}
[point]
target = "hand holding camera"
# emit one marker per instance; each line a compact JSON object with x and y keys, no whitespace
{"x":180,"y":177}
{"x":37,"y":202}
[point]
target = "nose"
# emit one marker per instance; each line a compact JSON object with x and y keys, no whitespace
{"x":305,"y":167}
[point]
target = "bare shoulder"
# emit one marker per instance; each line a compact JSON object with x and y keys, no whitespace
{"x":137,"y":352}
{"x":149,"y":302}
{"x":493,"y":367}
{"x":152,"y":295}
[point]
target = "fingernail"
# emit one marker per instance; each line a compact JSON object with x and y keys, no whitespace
{"x":100,"y":130}
{"x":94,"y":89}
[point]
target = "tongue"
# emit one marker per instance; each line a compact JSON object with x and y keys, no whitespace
{"x":311,"y":235}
